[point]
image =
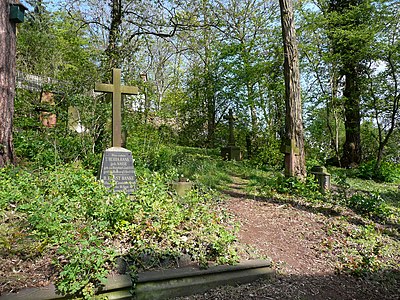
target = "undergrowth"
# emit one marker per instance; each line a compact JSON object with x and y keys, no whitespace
{"x":66,"y":212}
{"x":362,"y":228}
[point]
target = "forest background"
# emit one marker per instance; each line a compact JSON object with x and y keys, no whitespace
{"x":192,"y":62}
{"x":197,"y":60}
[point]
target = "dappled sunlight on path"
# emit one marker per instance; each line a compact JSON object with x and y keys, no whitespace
{"x":292,"y":235}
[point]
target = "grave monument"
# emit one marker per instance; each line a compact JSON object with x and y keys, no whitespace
{"x":231,"y":152}
{"x":290,"y":150}
{"x":117,"y":170}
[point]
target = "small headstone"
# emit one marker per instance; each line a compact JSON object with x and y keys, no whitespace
{"x":117,"y":170}
{"x":182,"y":186}
{"x":323,"y":177}
{"x":231,"y":152}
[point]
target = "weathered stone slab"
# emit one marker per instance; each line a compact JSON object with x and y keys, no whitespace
{"x":164,"y":284}
{"x":231,"y":153}
{"x":117,"y":170}
{"x":323,"y":177}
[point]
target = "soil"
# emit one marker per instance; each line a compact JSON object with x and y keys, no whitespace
{"x":290,"y":234}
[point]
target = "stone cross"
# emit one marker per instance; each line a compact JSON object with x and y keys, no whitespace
{"x":117,"y":91}
{"x":231,"y":118}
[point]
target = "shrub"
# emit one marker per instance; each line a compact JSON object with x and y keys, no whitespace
{"x":292,"y":185}
{"x":268,"y":154}
{"x":387,"y":171}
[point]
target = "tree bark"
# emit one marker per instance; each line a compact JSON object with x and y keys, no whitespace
{"x":112,"y":50}
{"x":7,"y":83}
{"x":295,"y":158}
{"x":351,"y":68}
{"x":352,"y":146}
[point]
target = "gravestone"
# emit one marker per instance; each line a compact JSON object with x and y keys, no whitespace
{"x":117,"y":170}
{"x":290,"y":150}
{"x":323,"y":177}
{"x":231,"y":152}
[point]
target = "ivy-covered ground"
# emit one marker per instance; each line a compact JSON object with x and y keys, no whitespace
{"x":60,"y":225}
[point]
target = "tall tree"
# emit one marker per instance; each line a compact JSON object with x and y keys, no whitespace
{"x":323,"y":82}
{"x":7,"y":82}
{"x":350,"y":36}
{"x":294,"y":144}
{"x":247,"y":32}
{"x":383,"y":98}
{"x":113,"y":59}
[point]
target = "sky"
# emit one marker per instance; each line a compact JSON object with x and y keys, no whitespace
{"x":51,"y":5}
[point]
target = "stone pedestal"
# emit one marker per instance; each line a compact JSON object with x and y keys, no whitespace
{"x":231,"y":153}
{"x":323,"y":177}
{"x":182,"y":187}
{"x":117,"y":170}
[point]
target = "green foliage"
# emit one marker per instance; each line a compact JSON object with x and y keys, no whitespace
{"x":293,"y":186}
{"x":16,"y":184}
{"x":63,"y":208}
{"x":49,"y":147}
{"x":369,"y":204}
{"x":268,"y":154}
{"x":364,"y":251}
{"x":86,"y":267}
{"x":162,"y":227}
{"x":387,"y":171}
{"x":66,"y":209}
{"x":56,"y":45}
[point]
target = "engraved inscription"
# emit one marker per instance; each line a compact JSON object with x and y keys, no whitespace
{"x":117,"y":170}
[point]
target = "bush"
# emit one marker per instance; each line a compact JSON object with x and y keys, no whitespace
{"x":387,"y":172}
{"x":268,"y":154}
{"x":52,"y":147}
{"x":293,"y":186}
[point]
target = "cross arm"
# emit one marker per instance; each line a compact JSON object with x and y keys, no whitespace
{"x":103,"y":87}
{"x":129,"y":90}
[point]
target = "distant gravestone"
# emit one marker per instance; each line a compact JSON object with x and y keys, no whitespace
{"x":323,"y":177}
{"x":231,"y":152}
{"x":117,"y":170}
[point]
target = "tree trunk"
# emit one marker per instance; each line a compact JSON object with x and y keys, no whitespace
{"x":351,"y":67}
{"x":112,"y":51}
{"x":331,"y":112}
{"x":294,"y":144}
{"x":352,"y":146}
{"x":7,"y":83}
{"x":210,"y":113}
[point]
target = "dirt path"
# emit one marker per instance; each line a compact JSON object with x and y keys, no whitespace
{"x":291,"y":236}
